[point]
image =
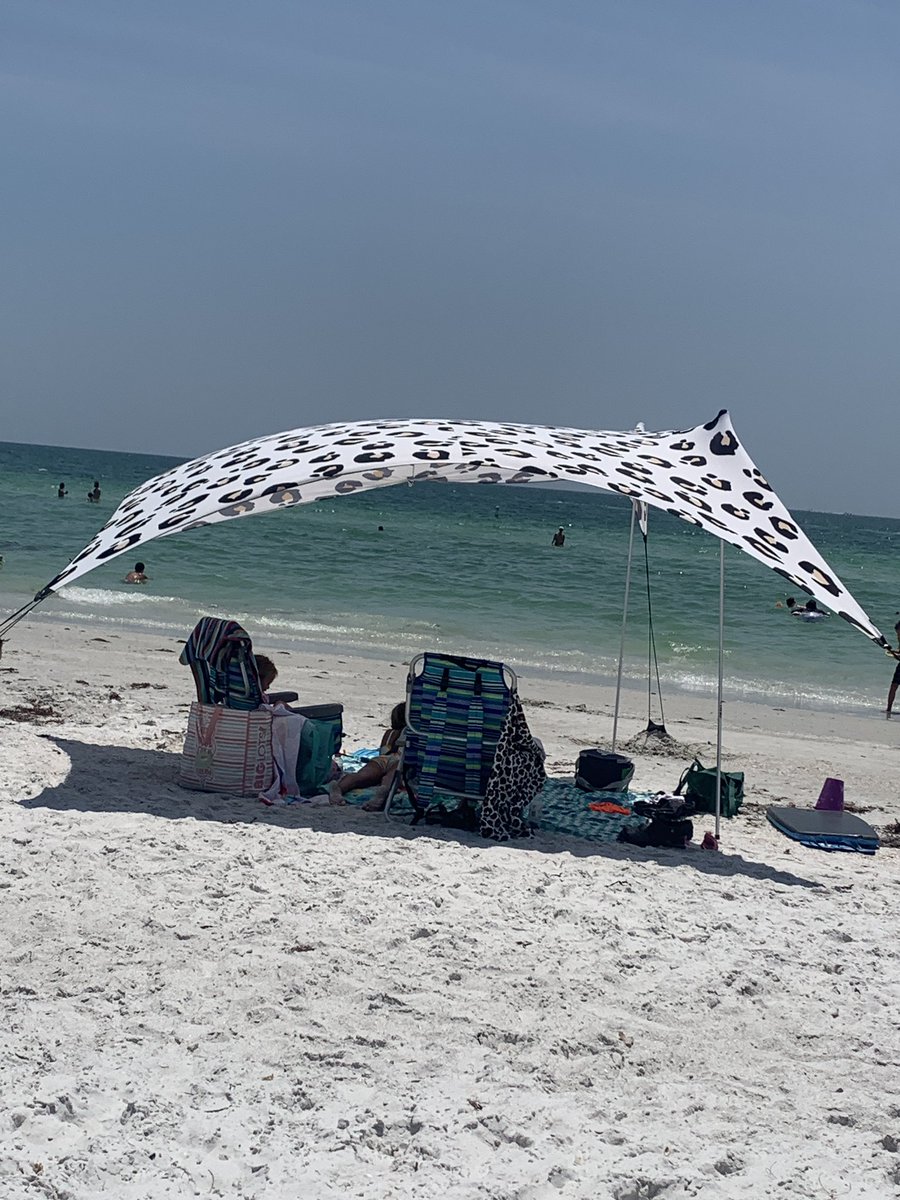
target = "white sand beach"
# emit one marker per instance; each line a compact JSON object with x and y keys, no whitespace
{"x":205,"y":997}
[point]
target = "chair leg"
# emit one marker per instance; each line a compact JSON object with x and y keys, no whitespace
{"x":392,"y":792}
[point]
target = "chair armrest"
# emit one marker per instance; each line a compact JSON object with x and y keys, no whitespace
{"x":282,"y":697}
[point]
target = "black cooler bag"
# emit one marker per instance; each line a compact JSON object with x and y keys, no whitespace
{"x":600,"y":771}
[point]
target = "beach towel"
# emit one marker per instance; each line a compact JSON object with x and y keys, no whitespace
{"x":516,"y":777}
{"x":287,"y":730}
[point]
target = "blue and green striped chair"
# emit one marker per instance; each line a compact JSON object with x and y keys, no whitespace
{"x":220,"y":656}
{"x":455,"y":709}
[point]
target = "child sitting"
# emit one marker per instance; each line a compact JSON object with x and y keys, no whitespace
{"x":268,"y":673}
{"x":380,"y":770}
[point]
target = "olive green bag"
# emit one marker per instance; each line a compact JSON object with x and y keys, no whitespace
{"x":699,"y":785}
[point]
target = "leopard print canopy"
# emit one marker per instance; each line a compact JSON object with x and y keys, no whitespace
{"x":703,"y":476}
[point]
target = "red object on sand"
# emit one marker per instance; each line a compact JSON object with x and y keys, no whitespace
{"x":607,"y":806}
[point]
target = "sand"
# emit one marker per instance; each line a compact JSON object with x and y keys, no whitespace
{"x":205,"y":997}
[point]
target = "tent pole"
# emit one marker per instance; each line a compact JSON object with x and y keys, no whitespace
{"x":624,"y":623}
{"x":721,"y":677}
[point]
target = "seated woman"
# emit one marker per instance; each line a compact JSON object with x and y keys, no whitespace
{"x":380,"y":770}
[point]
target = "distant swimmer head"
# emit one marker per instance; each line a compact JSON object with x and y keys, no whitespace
{"x":139,"y":568}
{"x":811,"y":606}
{"x":790,"y":602}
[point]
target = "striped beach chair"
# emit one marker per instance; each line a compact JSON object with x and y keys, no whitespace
{"x":220,"y":656}
{"x":455,"y":709}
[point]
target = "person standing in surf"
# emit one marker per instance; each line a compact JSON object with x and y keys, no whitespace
{"x":895,"y":682}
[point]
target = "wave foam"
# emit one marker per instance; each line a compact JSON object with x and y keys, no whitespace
{"x":103,"y":598}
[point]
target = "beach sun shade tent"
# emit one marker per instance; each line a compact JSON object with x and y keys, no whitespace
{"x":702,"y":475}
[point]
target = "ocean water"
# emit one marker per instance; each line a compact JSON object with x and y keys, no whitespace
{"x":463,"y":568}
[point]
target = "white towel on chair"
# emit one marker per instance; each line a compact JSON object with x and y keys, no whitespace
{"x":287,"y":727}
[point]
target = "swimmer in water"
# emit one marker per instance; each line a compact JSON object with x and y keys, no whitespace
{"x":137,"y":575}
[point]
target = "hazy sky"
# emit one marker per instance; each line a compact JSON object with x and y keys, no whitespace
{"x":225,"y":218}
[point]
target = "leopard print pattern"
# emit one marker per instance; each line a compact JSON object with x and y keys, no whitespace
{"x":517,"y":775}
{"x":701,"y":475}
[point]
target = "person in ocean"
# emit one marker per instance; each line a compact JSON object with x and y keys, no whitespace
{"x":61,"y":491}
{"x":895,"y":682}
{"x":559,"y":538}
{"x":809,"y":612}
{"x":380,"y":770}
{"x":138,"y":575}
{"x":95,"y":494}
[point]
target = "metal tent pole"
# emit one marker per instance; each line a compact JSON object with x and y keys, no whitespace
{"x":721,"y":677}
{"x":624,"y":624}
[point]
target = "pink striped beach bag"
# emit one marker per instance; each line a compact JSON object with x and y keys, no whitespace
{"x":226,"y":750}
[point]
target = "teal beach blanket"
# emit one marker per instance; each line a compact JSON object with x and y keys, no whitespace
{"x":559,"y":807}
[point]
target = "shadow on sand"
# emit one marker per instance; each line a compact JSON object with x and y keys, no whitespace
{"x":144,"y":781}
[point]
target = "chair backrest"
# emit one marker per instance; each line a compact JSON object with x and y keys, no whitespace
{"x":455,"y":708}
{"x":220,"y":656}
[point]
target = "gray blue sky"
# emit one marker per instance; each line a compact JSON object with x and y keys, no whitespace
{"x":223,"y":219}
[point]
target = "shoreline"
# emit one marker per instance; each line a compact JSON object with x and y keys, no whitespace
{"x":735,"y":692}
{"x":567,"y":714}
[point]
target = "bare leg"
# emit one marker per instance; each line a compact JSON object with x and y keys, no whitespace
{"x":377,"y":802}
{"x":891,"y":694}
{"x":365,"y":777}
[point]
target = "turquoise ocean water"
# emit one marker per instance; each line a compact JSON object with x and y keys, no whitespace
{"x":464,"y":568}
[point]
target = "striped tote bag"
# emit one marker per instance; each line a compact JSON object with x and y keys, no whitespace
{"x":226,"y":750}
